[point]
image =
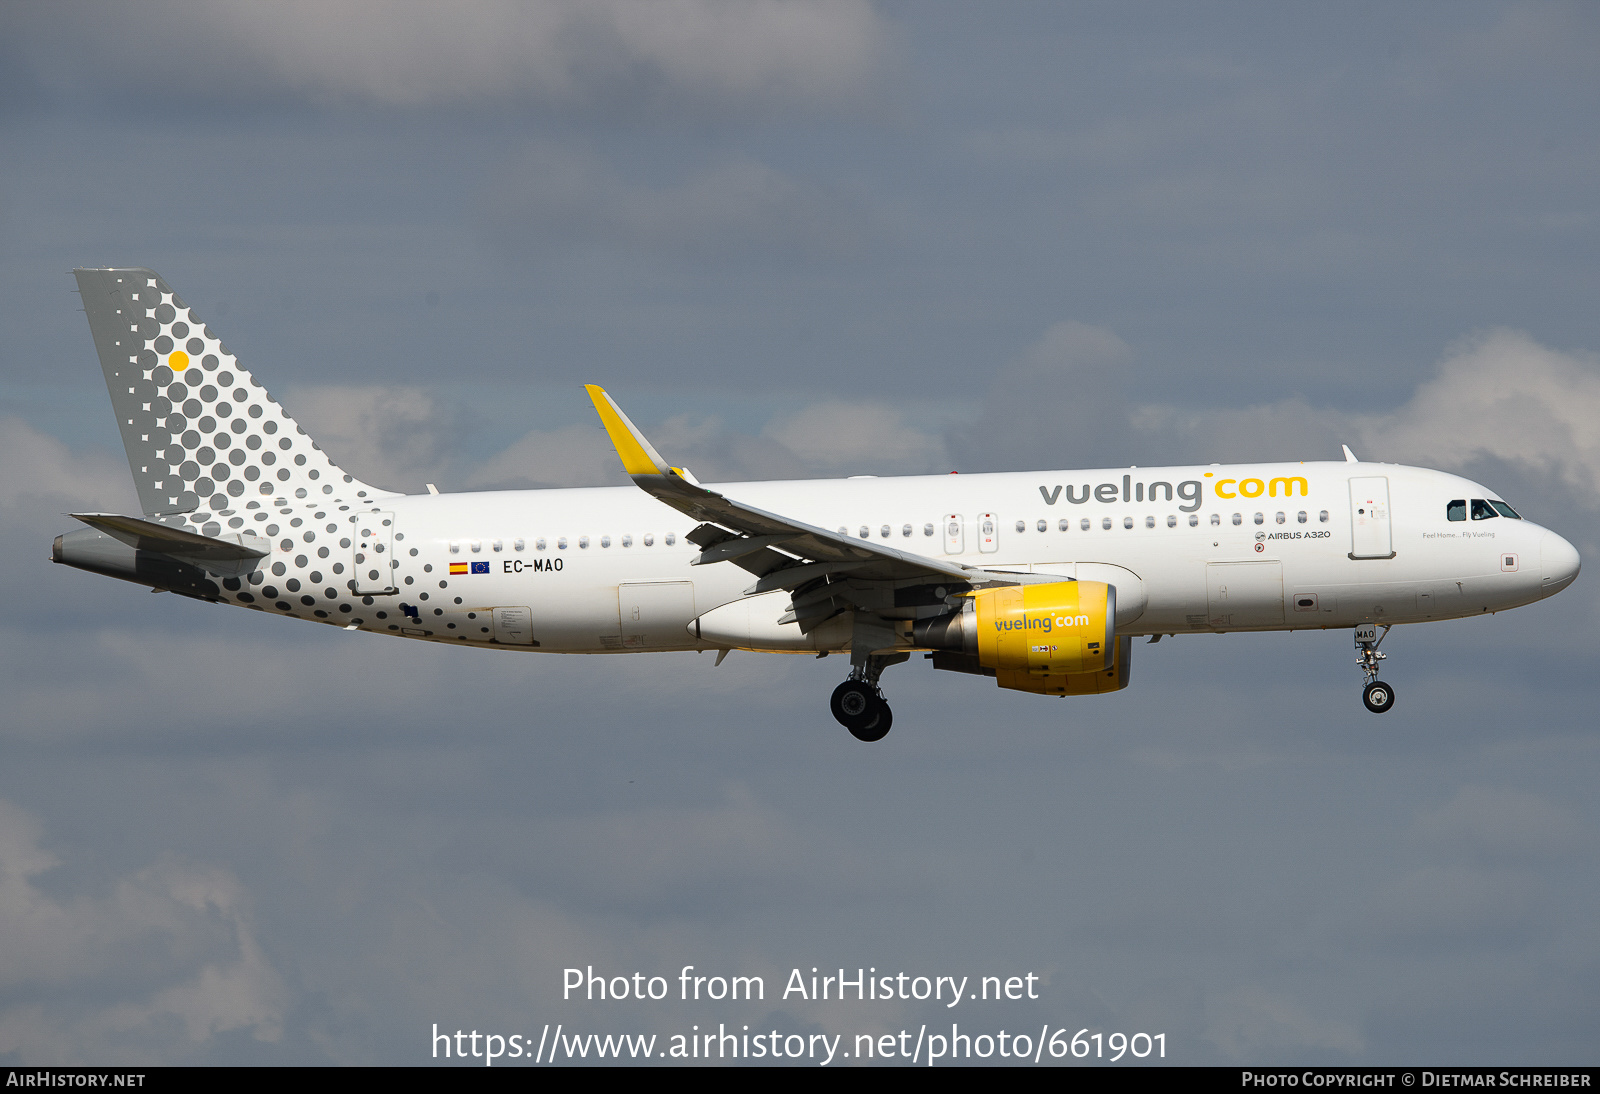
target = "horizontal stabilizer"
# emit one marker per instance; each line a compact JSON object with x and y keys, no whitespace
{"x":144,"y":535}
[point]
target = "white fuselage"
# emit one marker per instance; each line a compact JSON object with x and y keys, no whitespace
{"x":1213,"y":549}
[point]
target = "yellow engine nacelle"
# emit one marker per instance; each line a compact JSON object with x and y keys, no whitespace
{"x":1057,"y":638}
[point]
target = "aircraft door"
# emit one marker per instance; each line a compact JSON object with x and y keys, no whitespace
{"x":955,"y":539}
{"x":1370,"y":533}
{"x":372,"y":552}
{"x":988,"y":533}
{"x":1244,"y":594}
{"x":655,"y":614}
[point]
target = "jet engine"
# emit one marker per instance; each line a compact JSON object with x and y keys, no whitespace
{"x":1057,"y":638}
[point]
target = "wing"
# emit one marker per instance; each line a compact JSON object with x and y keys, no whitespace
{"x":783,"y":553}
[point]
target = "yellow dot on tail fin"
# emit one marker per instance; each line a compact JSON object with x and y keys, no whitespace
{"x":178,"y":361}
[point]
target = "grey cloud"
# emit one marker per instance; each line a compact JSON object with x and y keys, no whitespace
{"x":1248,"y":1022}
{"x":553,"y":196}
{"x":1500,"y":824}
{"x":409,"y":53}
{"x":1063,"y":402}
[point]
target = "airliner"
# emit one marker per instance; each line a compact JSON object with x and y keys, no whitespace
{"x":1039,"y":580}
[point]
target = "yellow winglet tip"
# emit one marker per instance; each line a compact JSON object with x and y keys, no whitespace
{"x":638,"y":457}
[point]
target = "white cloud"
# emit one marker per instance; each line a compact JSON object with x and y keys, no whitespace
{"x":1503,"y":396}
{"x":1063,"y":402}
{"x":411,"y":52}
{"x":853,"y":438}
{"x":1496,"y":396}
{"x":212,"y":976}
{"x":395,"y":437}
{"x":42,"y":474}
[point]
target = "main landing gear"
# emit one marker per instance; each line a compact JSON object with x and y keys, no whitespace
{"x":1378,"y":696}
{"x":858,"y":703}
{"x":861,"y":708}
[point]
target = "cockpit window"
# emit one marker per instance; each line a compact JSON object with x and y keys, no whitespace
{"x":1456,"y":510}
{"x":1504,"y":510}
{"x":1482,"y":510}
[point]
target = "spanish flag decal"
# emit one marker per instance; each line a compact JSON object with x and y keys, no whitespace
{"x":458,"y":567}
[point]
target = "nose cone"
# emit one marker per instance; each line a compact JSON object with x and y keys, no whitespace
{"x":1558,"y":563}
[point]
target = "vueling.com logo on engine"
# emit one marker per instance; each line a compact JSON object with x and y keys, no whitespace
{"x":1045,"y":623}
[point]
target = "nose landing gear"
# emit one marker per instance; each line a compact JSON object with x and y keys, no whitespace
{"x":1378,"y":696}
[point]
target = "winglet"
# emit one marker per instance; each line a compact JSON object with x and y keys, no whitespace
{"x":1349,"y":456}
{"x":638,"y":457}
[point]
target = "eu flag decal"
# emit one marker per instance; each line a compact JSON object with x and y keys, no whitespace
{"x":480,"y":567}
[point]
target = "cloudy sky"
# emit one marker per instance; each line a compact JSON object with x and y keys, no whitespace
{"x":798,"y":239}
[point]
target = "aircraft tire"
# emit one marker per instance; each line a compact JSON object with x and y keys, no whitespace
{"x":1378,"y":696}
{"x":860,"y":709}
{"x":878,"y":726}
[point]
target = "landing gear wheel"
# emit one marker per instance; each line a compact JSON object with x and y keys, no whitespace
{"x":858,"y":707}
{"x":878,"y":727}
{"x":1378,"y":696}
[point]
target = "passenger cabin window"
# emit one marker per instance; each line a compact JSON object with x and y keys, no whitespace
{"x":649,"y":539}
{"x":1323,"y":517}
{"x":561,"y":544}
{"x":1282,"y":518}
{"x":1043,"y":526}
{"x":1301,"y":516}
{"x":1022,"y":526}
{"x":1482,"y":510}
{"x":1456,"y":510}
{"x":1261,"y":518}
{"x":1127,"y":522}
{"x":1064,"y":525}
{"x":1238,"y":518}
{"x":1172,"y":521}
{"x":1106,"y":524}
{"x":627,"y":541}
{"x":927,"y":529}
{"x":538,"y":544}
{"x":884,"y":531}
{"x":1216,"y":518}
{"x":1084,"y":524}
{"x":1194,"y":520}
{"x":905,"y":530}
{"x":1149,"y":522}
{"x":672,"y":537}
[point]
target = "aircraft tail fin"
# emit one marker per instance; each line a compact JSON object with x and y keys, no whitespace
{"x":203,"y":437}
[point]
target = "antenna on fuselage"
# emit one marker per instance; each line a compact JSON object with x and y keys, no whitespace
{"x":1349,"y":456}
